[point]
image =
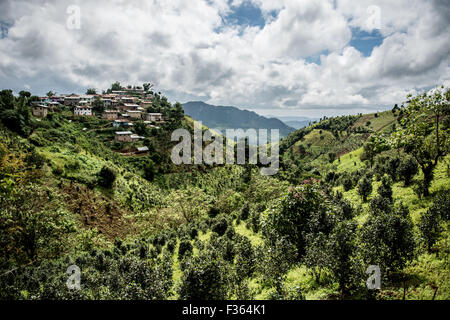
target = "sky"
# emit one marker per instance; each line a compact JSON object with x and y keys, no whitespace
{"x":276,"y":57}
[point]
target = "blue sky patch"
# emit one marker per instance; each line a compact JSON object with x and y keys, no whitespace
{"x":316,"y":58}
{"x":365,"y":41}
{"x":4,"y":28}
{"x":246,"y":15}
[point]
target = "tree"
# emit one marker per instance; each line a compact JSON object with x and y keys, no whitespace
{"x":91,"y":91}
{"x":245,"y":259}
{"x":301,"y":211}
{"x":116,"y":86}
{"x":50,"y":94}
{"x":430,"y":221}
{"x":98,"y":105}
{"x":407,"y":169}
{"x":388,"y":239}
{"x":343,"y":250}
{"x":6,"y":100}
{"x":24,"y":94}
{"x":204,"y":278}
{"x":331,"y":157}
{"x":33,"y":226}
{"x":149,"y":170}
{"x":107,"y":176}
{"x":141,"y":128}
{"x":425,"y":130}
{"x":374,"y":146}
{"x":385,"y":189}
{"x":147,"y":86}
{"x":365,"y":187}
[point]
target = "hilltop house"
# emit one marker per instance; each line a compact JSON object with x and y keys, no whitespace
{"x":130,"y":106}
{"x":134,"y":114}
{"x":127,"y":100}
{"x":154,"y":117}
{"x":83,"y":111}
{"x":72,"y":100}
{"x":110,"y":114}
{"x":122,"y":123}
{"x":146,"y":104}
{"x":123,"y":136}
{"x":142,"y":149}
{"x":40,"y":110}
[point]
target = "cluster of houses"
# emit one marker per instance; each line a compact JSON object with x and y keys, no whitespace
{"x":122,"y":108}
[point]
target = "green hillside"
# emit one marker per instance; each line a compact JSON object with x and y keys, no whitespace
{"x":140,"y":227}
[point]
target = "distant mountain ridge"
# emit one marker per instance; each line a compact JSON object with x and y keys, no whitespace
{"x":227,"y":117}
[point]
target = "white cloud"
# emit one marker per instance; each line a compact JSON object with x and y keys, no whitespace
{"x":185,"y":49}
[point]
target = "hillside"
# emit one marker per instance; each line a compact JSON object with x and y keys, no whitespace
{"x":140,"y":227}
{"x":220,"y":117}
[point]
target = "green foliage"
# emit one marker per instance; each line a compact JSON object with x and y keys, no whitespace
{"x":106,"y":177}
{"x":430,"y":224}
{"x":301,"y":211}
{"x":204,"y":278}
{"x":425,"y":129}
{"x":385,"y":189}
{"x":365,"y":187}
{"x":221,"y":226}
{"x":33,"y":224}
{"x":408,"y":168}
{"x":388,"y":239}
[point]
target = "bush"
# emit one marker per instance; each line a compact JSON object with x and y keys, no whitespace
{"x":184,"y":249}
{"x":385,"y":189}
{"x":365,"y":188}
{"x":106,"y":177}
{"x":220,"y":227}
{"x":347,"y":182}
{"x":430,"y":221}
{"x":204,"y":278}
{"x":245,"y":212}
{"x":388,"y":239}
{"x":407,"y":169}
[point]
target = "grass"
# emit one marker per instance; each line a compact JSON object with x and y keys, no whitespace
{"x":254,"y":238}
{"x":378,"y":124}
{"x":347,"y":161}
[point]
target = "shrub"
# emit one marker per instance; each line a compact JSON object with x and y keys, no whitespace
{"x":220,"y":226}
{"x":204,"y":278}
{"x":388,"y":239}
{"x":106,"y":177}
{"x":184,"y":249}
{"x":385,"y":189}
{"x":407,"y":169}
{"x":365,"y":188}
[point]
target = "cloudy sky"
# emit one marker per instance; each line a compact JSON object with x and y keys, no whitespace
{"x":277,"y":57}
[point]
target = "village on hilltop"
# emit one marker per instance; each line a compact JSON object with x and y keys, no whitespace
{"x":122,"y":107}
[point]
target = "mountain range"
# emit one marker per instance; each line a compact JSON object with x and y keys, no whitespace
{"x":227,"y":117}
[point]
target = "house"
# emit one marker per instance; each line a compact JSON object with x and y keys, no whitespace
{"x":72,"y":100}
{"x":150,"y":125}
{"x":127,"y":100}
{"x":119,"y":92}
{"x":53,"y":104}
{"x":83,"y":111}
{"x":146,"y":104}
{"x":88,"y":97}
{"x":107,"y":102}
{"x":123,"y":136}
{"x":40,"y":110}
{"x":130,"y":106}
{"x":136,"y":137}
{"x":134,"y":114}
{"x":142,"y":149}
{"x":154,"y":117}
{"x":122,"y":123}
{"x":110,"y":114}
